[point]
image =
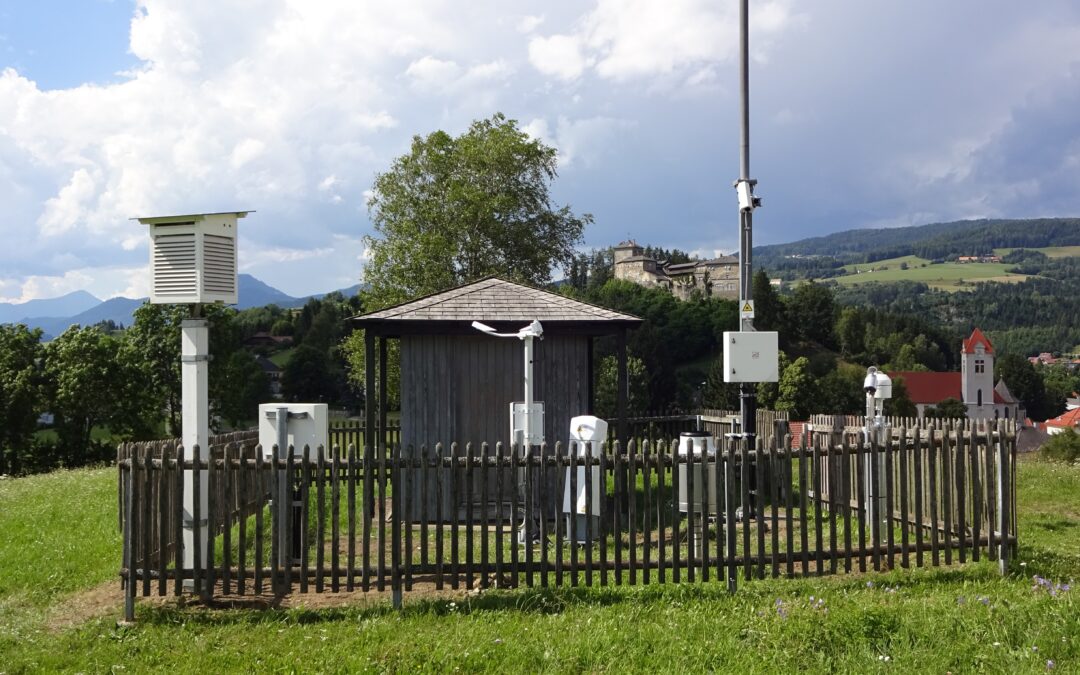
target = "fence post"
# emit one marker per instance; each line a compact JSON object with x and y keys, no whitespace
{"x":129,"y":541}
{"x":1003,"y":503}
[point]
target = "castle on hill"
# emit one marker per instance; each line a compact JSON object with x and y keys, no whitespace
{"x":716,"y":278}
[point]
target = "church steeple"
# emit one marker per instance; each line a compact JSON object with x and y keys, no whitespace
{"x":977,"y":369}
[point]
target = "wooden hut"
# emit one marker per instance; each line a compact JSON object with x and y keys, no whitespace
{"x":457,"y":382}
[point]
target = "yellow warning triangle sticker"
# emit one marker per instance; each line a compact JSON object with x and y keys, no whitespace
{"x":747,"y":307}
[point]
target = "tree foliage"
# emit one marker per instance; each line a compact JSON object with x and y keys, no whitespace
{"x":607,"y":388}
{"x":1024,"y":383}
{"x":797,"y":390}
{"x":1064,"y":446}
{"x":21,"y":395}
{"x":950,"y":408}
{"x":455,"y":209}
{"x":81,"y":375}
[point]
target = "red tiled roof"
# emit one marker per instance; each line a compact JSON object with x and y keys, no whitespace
{"x":977,"y":337}
{"x":1067,"y":419}
{"x":931,"y":388}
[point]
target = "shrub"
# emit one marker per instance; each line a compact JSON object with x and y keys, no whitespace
{"x":1063,"y":447}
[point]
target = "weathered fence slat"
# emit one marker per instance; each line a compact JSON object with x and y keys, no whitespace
{"x":470,"y":519}
{"x":335,"y":519}
{"x":629,"y":481}
{"x":890,"y":537}
{"x":260,"y":482}
{"x":305,"y":518}
{"x":515,"y":514}
{"x":946,"y":494}
{"x":804,"y":529}
{"x":729,"y":502}
{"x":932,"y":482}
{"x":440,"y":475}
{"x":196,"y":522}
{"x":902,"y":458}
{"x":719,"y":486}
{"x":380,"y":448}
{"x":602,"y":534}
{"x":918,"y":496}
{"x":484,"y":515}
{"x":819,"y":544}
{"x":788,"y":508}
{"x":661,"y":555}
{"x":676,"y":492}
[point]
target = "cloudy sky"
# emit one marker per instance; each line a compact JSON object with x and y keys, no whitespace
{"x":863,"y":114}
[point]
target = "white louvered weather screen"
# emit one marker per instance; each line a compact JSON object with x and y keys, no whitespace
{"x":193,"y":258}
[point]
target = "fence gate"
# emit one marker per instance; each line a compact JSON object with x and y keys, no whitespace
{"x":640,"y":514}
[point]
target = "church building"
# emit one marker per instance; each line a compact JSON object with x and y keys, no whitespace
{"x":973,"y":385}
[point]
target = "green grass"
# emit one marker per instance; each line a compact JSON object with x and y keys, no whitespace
{"x":949,"y":276}
{"x":1049,"y":251}
{"x":960,"y":619}
{"x":281,"y":358}
{"x":58,"y":536}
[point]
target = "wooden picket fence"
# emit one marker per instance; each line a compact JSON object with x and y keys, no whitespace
{"x":663,"y":515}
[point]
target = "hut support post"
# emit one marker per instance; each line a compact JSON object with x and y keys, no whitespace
{"x":623,"y":386}
{"x":369,"y":417}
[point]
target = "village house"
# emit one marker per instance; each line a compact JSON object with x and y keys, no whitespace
{"x":1069,"y":419}
{"x":973,"y":385}
{"x":718,"y":278}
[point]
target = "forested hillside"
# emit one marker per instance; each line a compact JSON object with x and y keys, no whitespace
{"x":1037,"y":315}
{"x":938,"y":241}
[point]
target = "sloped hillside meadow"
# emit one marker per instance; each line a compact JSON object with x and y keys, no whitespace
{"x":60,"y":601}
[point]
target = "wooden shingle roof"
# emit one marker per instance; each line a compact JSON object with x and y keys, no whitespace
{"x":493,"y":301}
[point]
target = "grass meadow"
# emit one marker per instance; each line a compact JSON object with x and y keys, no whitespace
{"x":60,"y":602}
{"x":949,"y":276}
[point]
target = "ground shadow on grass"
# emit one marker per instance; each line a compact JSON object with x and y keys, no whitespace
{"x":548,"y":601}
{"x":1037,"y":561}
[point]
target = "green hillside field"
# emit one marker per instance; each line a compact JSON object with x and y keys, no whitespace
{"x":950,"y":276}
{"x":1049,"y":251}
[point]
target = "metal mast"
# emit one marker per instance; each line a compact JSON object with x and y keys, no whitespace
{"x":747,"y":203}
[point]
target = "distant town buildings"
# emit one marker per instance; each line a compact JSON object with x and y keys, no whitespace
{"x":973,"y":385}
{"x":978,"y":259}
{"x":1070,"y":419}
{"x":718,"y":278}
{"x":1047,"y":359}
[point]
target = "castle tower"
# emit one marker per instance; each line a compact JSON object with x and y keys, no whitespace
{"x":626,"y":249}
{"x":977,"y":373}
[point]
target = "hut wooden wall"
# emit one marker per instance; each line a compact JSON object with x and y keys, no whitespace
{"x":458,"y":389}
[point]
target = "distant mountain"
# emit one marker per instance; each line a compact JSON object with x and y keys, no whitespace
{"x":65,"y":305}
{"x":118,"y":310}
{"x":347,"y":292}
{"x":86,"y":310}
{"x":255,"y":293}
